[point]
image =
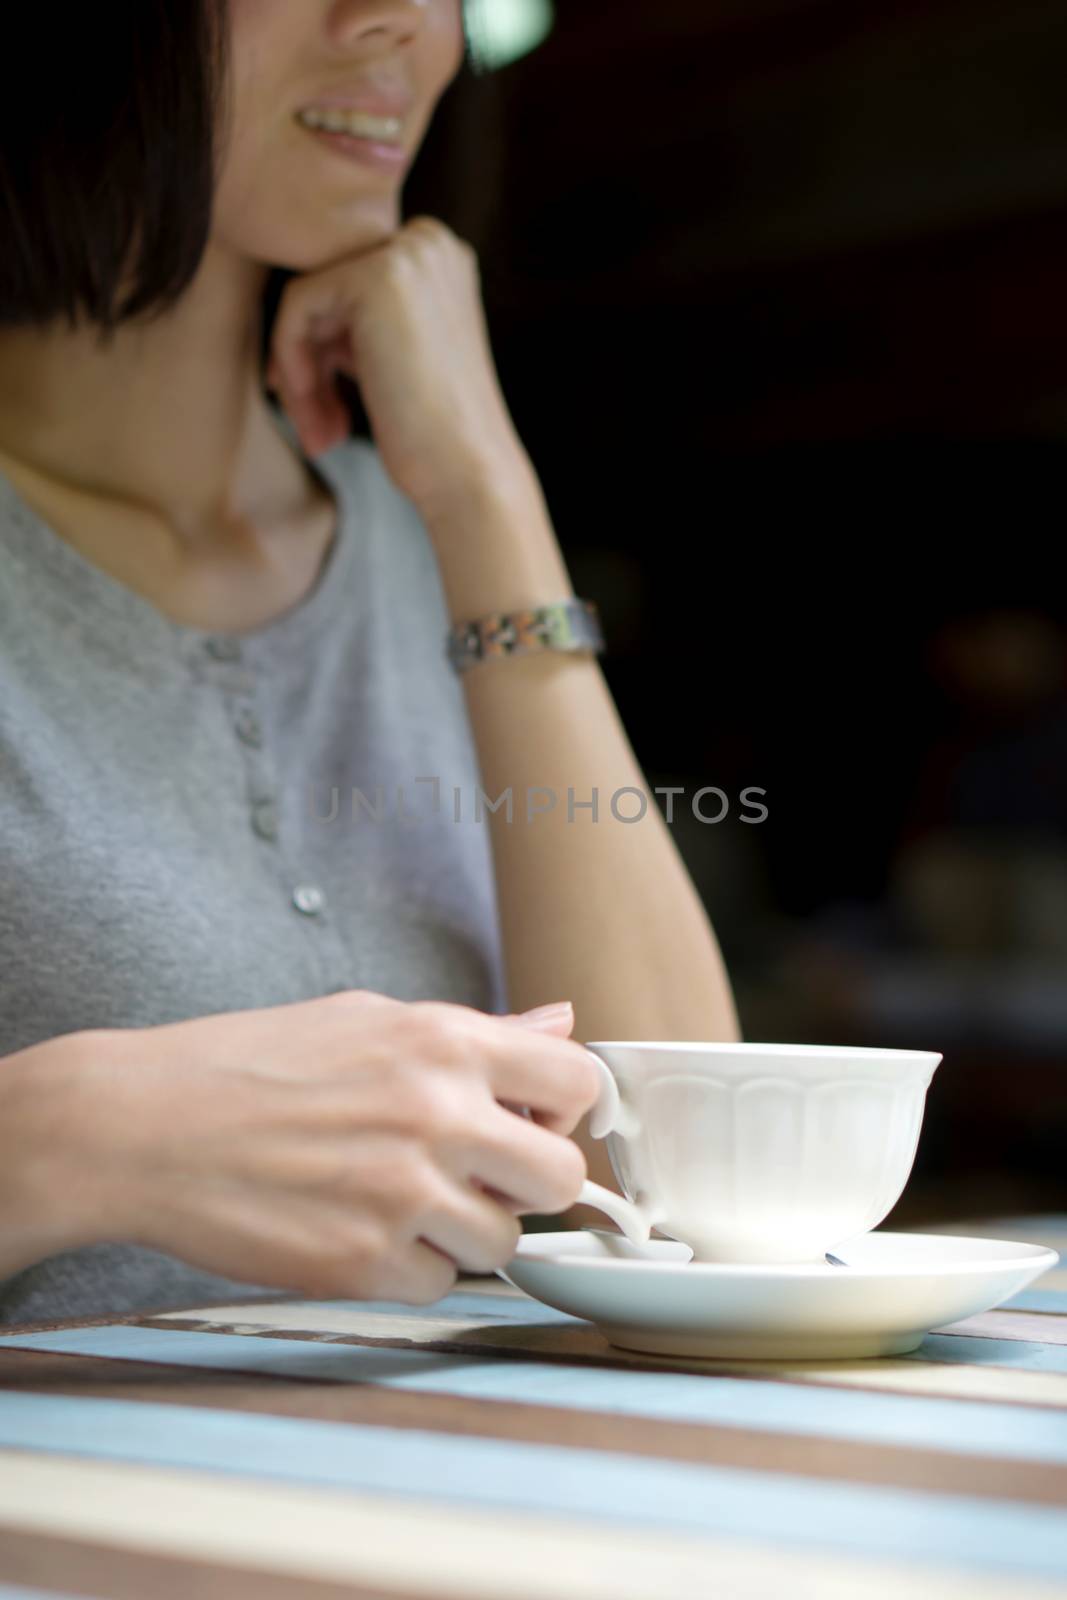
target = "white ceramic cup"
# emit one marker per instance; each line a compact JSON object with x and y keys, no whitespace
{"x":756,"y":1152}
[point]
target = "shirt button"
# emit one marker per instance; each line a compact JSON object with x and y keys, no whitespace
{"x":308,"y":898}
{"x":224,"y":648}
{"x":248,"y":726}
{"x":265,"y":819}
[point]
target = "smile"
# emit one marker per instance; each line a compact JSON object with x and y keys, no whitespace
{"x":359,"y":124}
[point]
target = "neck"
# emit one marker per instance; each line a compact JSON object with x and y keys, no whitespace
{"x":168,"y":414}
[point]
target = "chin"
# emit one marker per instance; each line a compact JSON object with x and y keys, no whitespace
{"x":307,"y":243}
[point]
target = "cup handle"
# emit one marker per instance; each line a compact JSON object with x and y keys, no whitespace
{"x":606,"y":1115}
{"x":623,"y":1212}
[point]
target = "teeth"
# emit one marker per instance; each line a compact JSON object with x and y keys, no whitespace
{"x":359,"y":123}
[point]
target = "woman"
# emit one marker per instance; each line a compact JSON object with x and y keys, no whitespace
{"x":252,"y":1018}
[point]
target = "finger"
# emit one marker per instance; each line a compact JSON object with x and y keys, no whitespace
{"x":310,"y":340}
{"x":418,"y":1274}
{"x":332,"y":422}
{"x":556,"y":1079}
{"x":560,"y":1024}
{"x":470,"y":1228}
{"x":536,"y":1169}
{"x":320,"y":417}
{"x":311,"y":311}
{"x":336,"y":354}
{"x":516,"y":1207}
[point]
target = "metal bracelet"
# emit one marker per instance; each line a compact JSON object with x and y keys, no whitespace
{"x":564,"y":625}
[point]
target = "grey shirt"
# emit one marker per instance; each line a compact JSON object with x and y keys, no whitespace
{"x":194,"y":822}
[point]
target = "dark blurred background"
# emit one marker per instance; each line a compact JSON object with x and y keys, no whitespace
{"x":778,"y":296}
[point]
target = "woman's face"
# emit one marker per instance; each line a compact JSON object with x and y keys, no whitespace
{"x":292,"y":191}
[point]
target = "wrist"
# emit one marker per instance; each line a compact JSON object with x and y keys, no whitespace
{"x":60,"y":1182}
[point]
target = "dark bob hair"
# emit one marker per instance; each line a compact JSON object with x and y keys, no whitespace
{"x":107,"y":178}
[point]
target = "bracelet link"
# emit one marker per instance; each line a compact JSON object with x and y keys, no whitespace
{"x":568,"y":625}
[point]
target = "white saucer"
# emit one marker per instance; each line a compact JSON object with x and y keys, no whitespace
{"x":894,"y":1288}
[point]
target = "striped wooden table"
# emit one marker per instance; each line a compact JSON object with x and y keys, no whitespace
{"x":490,"y":1447}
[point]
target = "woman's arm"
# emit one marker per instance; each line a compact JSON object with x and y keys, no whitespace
{"x":349,"y":1145}
{"x":601,"y":912}
{"x":54,"y":1178}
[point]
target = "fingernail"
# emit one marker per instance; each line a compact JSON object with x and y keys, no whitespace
{"x":558,"y":1008}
